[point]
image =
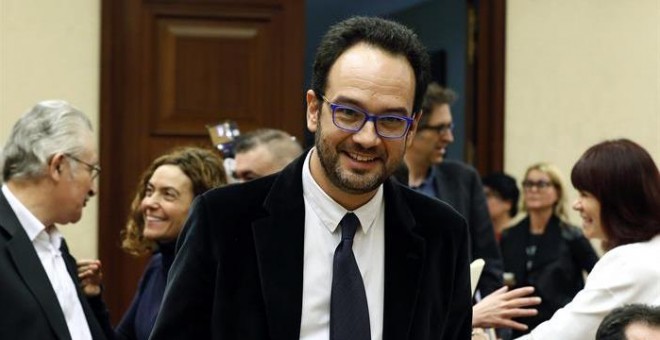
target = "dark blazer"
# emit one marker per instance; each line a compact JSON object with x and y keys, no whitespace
{"x":238,"y":273}
{"x":460,"y":185}
{"x":556,"y":274}
{"x":29,"y":308}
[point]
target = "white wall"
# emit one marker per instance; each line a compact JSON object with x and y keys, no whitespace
{"x":49,"y":50}
{"x":577,"y":73}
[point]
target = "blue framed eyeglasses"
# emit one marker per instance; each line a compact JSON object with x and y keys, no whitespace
{"x":351,"y":119}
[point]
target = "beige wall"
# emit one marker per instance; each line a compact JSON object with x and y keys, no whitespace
{"x":579,"y":72}
{"x":49,"y":50}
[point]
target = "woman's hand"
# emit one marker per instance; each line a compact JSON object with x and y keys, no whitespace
{"x":90,"y":276}
{"x":500,"y":307}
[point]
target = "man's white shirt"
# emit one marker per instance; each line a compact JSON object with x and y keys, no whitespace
{"x":322,"y":235}
{"x":47,"y":245}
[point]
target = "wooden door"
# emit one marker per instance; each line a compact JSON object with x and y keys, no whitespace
{"x":485,"y":85}
{"x":169,"y":68}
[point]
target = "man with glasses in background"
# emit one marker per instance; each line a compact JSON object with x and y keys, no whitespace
{"x":453,"y":182}
{"x":49,"y":166}
{"x":331,"y":247}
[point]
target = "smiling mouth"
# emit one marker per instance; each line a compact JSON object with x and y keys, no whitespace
{"x":153,"y":219}
{"x":360,"y":158}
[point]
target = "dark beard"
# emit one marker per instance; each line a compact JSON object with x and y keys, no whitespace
{"x":330,"y":163}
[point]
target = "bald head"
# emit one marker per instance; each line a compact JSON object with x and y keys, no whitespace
{"x":263,"y":152}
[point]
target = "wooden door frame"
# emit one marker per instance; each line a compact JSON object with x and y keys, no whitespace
{"x":486,"y":85}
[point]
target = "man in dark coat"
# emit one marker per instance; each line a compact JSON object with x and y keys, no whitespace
{"x":453,"y":182}
{"x":49,"y":165}
{"x":256,"y":260}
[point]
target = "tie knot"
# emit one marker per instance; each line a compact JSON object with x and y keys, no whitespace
{"x":349,"y":225}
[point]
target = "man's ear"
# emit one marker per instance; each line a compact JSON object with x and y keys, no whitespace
{"x":55,"y":166}
{"x":313,"y":111}
{"x":413,"y":128}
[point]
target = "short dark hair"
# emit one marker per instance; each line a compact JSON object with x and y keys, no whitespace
{"x":613,"y":326}
{"x":385,"y":34}
{"x":624,"y":179}
{"x":435,"y":96}
{"x":506,"y":187}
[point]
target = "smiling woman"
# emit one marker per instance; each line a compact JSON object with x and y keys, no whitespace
{"x":159,"y":210}
{"x":619,"y":203}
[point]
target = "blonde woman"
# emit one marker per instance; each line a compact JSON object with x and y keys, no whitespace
{"x":543,"y":250}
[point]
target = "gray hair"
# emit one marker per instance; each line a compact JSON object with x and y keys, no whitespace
{"x":50,"y":127}
{"x":282,"y":145}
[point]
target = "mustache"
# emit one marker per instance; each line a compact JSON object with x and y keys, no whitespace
{"x":373,"y":151}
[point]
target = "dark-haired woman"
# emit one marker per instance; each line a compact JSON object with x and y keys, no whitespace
{"x":619,"y":203}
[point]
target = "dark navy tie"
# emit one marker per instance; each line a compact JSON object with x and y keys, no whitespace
{"x":349,"y":313}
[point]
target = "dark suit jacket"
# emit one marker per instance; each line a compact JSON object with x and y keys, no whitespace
{"x":238,"y":273}
{"x":556,"y":274}
{"x":29,"y":308}
{"x":459,"y":185}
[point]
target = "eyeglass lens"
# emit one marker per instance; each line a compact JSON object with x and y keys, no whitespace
{"x":388,"y":126}
{"x":527,"y":184}
{"x":94,"y":170}
{"x":440,"y":129}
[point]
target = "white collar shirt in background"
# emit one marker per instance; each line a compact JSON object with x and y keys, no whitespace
{"x":47,"y":245}
{"x":322,"y":236}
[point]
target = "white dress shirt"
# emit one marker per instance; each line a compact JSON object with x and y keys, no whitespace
{"x":624,"y":275}
{"x":47,"y":245}
{"x":322,"y":235}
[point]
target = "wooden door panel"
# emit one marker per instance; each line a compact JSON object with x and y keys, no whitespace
{"x":212,"y":70}
{"x":169,"y":68}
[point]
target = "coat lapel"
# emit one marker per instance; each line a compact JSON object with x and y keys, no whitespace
{"x":71,"y":266}
{"x":404,"y":257}
{"x":444,"y":193}
{"x":30,"y":269}
{"x":279,"y":243}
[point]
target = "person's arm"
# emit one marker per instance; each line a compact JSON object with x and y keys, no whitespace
{"x":500,"y":307}
{"x":102,"y":315}
{"x":187,"y":306}
{"x":90,"y":276}
{"x":616,"y":280}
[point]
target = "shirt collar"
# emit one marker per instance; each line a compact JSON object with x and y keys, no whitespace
{"x":33,"y":227}
{"x":328,"y":210}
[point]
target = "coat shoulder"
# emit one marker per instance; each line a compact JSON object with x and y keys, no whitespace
{"x":431,"y":213}
{"x":570,"y":232}
{"x":456,"y":167}
{"x":239,"y":197}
